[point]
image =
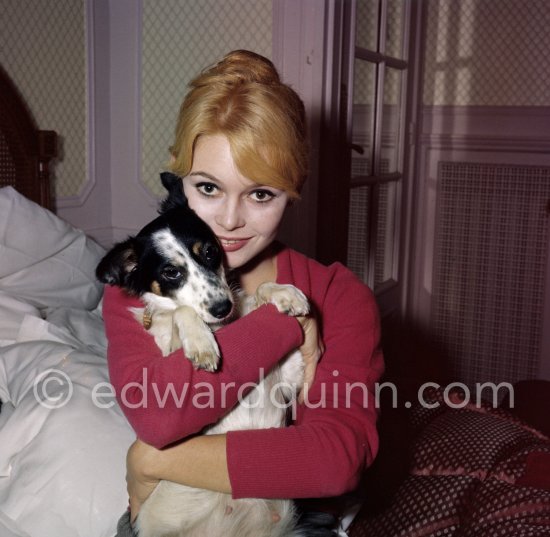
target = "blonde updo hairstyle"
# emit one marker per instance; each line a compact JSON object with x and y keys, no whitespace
{"x":243,"y":98}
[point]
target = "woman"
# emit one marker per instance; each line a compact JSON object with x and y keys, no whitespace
{"x":240,"y":148}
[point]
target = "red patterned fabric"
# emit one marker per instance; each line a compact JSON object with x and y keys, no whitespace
{"x":502,"y":509}
{"x":475,"y":443}
{"x":430,"y":505}
{"x":472,"y":474}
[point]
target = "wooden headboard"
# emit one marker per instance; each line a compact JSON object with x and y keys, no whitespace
{"x":25,"y":151}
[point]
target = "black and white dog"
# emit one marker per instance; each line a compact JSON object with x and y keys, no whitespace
{"x":175,"y":264}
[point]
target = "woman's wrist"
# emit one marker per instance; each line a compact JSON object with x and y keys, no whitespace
{"x":144,"y":460}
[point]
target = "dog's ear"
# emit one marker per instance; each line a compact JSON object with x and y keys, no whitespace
{"x":176,"y":196}
{"x":118,"y":263}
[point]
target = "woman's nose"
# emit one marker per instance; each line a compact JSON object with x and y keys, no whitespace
{"x":230,"y":216}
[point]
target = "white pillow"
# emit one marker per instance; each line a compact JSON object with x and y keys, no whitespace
{"x":44,"y":260}
{"x":62,"y":466}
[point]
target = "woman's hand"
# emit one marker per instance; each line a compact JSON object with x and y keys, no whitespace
{"x":139,"y":482}
{"x":312,"y":348}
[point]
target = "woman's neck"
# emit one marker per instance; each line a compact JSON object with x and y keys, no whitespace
{"x":261,"y":269}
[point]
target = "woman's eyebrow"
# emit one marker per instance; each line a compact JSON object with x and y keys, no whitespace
{"x":204,"y":174}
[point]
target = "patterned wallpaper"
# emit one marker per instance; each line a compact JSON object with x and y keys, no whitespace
{"x":179,"y":39}
{"x":487,"y":53}
{"x":43,"y":49}
{"x":478,"y":52}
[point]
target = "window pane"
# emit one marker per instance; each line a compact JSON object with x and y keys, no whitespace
{"x":394,"y":28}
{"x":358,"y":231}
{"x":363,"y":121}
{"x":386,"y":232}
{"x":367,"y":24}
{"x":391,"y":121}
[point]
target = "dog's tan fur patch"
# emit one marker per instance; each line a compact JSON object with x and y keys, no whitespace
{"x":155,"y":288}
{"x":197,"y":248}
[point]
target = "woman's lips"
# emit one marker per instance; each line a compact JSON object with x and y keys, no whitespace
{"x":232,"y":245}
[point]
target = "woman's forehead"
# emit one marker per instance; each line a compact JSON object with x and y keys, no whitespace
{"x":213,"y":160}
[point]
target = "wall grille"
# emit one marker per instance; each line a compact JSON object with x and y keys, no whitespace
{"x":489,"y":269}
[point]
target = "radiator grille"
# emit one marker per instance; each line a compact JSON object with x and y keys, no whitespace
{"x":489,"y":269}
{"x":358,"y":231}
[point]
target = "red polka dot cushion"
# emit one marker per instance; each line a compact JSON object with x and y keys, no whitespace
{"x":502,"y":509}
{"x":475,"y":471}
{"x":427,"y":505}
{"x":476,"y":443}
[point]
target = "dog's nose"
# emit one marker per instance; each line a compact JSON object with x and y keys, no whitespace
{"x":221,"y":309}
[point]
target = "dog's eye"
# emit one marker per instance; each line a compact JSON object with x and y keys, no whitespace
{"x":211,"y":252}
{"x":171,"y":273}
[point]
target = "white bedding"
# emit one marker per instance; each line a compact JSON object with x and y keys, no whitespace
{"x":62,"y":444}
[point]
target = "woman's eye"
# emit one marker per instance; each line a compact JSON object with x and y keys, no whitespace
{"x":262,"y":195}
{"x":207,"y":189}
{"x":171,"y":273}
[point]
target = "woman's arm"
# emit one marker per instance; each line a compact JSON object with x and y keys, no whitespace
{"x":164,"y":398}
{"x":198,"y":462}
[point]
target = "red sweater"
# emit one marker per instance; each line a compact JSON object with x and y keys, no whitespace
{"x":334,"y":434}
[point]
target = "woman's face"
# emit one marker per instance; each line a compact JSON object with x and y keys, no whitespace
{"x":244,"y":215}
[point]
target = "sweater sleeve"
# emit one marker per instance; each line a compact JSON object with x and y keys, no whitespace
{"x":164,"y":398}
{"x":334,"y":435}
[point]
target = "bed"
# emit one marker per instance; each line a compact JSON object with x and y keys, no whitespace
{"x":63,"y":440}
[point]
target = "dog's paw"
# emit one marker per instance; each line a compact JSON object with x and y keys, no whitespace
{"x":198,"y":342}
{"x":286,"y":298}
{"x":203,"y":352}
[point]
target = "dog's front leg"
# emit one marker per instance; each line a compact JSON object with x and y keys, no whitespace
{"x":197,"y":339}
{"x":290,"y":300}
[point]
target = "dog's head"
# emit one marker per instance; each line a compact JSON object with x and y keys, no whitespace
{"x":175,"y":260}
